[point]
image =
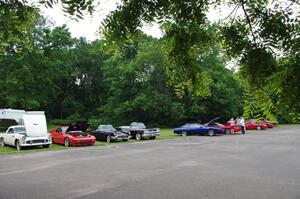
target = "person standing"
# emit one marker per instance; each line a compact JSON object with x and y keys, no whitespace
{"x":232,"y":125}
{"x":243,"y":127}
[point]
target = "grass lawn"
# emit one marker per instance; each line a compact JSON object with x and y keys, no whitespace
{"x":287,"y":124}
{"x":165,"y":134}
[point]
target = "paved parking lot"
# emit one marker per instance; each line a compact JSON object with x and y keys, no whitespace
{"x":258,"y":165}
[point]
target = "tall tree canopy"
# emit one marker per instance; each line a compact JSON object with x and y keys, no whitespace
{"x":264,"y":39}
{"x":128,"y":76}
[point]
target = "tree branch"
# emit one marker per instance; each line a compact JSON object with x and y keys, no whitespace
{"x":248,"y":20}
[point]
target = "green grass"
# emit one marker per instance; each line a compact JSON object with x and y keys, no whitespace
{"x":165,"y":134}
{"x":287,"y":124}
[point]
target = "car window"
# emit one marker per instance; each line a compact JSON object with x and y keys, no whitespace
{"x":20,"y":130}
{"x":59,"y":130}
{"x":106,"y":127}
{"x":138,"y":125}
{"x":10,"y":131}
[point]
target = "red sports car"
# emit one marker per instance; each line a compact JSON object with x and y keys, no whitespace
{"x":227,"y":128}
{"x":250,"y":125}
{"x":72,"y":135}
{"x":269,"y":124}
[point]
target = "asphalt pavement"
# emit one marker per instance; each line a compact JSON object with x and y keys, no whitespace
{"x":259,"y":165}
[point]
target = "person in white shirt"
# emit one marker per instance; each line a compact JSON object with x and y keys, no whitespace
{"x":243,"y":128}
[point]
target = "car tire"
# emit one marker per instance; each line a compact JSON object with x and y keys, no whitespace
{"x":153,"y":137}
{"x":2,"y":142}
{"x":67,"y":142}
{"x":228,"y":131}
{"x":108,"y":139}
{"x":18,"y":145}
{"x":258,"y":128}
{"x":211,"y":132}
{"x":46,"y":146}
{"x":138,"y":136}
{"x":184,"y":133}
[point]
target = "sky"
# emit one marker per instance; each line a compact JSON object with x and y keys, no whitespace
{"x":89,"y":26}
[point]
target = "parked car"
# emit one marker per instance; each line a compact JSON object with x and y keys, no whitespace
{"x":32,"y":133}
{"x":139,"y":131}
{"x":72,"y":135}
{"x":252,"y":125}
{"x":227,"y":128}
{"x":197,"y":129}
{"x":108,"y":133}
{"x":274,"y":123}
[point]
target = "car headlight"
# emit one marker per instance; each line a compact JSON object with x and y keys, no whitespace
{"x":49,"y":137}
{"x":23,"y":138}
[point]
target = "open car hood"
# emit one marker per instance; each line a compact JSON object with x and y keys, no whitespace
{"x":215,"y":119}
{"x":78,"y":126}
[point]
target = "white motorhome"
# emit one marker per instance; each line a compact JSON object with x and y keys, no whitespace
{"x":32,"y":133}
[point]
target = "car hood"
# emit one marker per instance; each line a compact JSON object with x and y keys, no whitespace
{"x":35,"y":124}
{"x":78,"y":126}
{"x":78,"y":135}
{"x":215,"y":119}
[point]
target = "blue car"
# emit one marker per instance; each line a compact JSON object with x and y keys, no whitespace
{"x":197,"y":129}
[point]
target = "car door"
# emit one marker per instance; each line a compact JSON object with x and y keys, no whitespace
{"x":58,"y":136}
{"x":198,"y":129}
{"x":250,"y":126}
{"x":97,"y":134}
{"x":9,"y":137}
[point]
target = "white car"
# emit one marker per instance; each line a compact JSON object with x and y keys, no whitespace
{"x":32,"y":133}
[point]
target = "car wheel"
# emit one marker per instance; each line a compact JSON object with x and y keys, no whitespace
{"x":211,"y":132}
{"x":183,"y":133}
{"x":108,"y":139}
{"x":138,"y":136}
{"x":228,"y":131}
{"x":67,"y":142}
{"x":18,"y":145}
{"x":2,"y":142}
{"x":258,"y":128}
{"x":46,"y":146}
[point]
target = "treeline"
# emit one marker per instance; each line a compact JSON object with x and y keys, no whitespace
{"x":74,"y":79}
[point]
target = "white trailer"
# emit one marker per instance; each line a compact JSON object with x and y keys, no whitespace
{"x":13,"y":114}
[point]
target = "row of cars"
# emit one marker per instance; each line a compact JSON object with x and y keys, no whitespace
{"x":76,"y":134}
{"x":212,"y":127}
{"x":31,"y":130}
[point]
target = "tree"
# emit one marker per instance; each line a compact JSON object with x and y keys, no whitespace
{"x":266,"y":45}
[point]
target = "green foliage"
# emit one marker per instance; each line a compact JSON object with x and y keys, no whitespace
{"x":266,"y":43}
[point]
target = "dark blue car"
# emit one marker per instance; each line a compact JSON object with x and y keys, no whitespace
{"x":197,"y":129}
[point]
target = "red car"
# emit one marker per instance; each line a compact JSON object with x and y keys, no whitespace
{"x":269,"y":124}
{"x":251,"y":125}
{"x":72,"y":135}
{"x":227,"y":128}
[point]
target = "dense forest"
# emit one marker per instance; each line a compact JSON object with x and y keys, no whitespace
{"x":129,"y":76}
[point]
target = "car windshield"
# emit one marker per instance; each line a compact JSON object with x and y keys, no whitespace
{"x":106,"y":127}
{"x":138,"y":125}
{"x":20,"y":130}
